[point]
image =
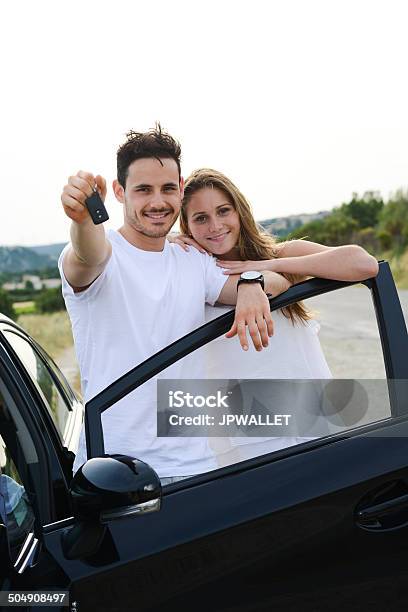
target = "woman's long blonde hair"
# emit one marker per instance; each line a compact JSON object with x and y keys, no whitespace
{"x":254,"y":243}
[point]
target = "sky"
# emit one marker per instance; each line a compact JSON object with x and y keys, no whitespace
{"x":301,"y":103}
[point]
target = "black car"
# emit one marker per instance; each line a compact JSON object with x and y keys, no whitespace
{"x":318,"y":526}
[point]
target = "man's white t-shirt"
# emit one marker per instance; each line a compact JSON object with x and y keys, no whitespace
{"x":142,"y":302}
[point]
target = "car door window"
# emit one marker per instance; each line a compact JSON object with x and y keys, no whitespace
{"x":339,"y":357}
{"x":16,"y":494}
{"x":57,"y":405}
{"x":19,"y":512}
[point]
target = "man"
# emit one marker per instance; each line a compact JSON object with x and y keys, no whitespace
{"x":129,"y":293}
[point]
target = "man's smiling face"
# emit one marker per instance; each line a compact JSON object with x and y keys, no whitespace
{"x":152,"y":198}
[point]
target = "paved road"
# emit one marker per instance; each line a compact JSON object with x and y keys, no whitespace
{"x":351,"y":343}
{"x":349,"y":332}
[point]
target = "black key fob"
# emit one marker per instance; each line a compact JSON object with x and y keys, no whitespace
{"x":96,"y":208}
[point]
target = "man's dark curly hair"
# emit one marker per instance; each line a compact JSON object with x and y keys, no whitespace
{"x":155,"y":143}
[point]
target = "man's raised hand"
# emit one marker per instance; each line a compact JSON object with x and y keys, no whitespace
{"x":77,"y":190}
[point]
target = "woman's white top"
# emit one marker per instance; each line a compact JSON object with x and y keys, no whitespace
{"x":294,"y":351}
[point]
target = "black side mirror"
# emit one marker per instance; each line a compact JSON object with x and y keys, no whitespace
{"x":103,"y":489}
{"x":113,"y":487}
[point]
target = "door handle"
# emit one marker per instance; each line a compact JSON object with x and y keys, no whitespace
{"x":372,"y":517}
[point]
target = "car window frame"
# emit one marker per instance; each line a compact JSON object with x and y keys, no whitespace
{"x":69,"y":397}
{"x":57,"y":457}
{"x":43,"y":505}
{"x":386,"y":304}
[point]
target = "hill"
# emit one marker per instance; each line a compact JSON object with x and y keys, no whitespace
{"x":17,"y":260}
{"x":282,"y":226}
{"x":53,"y":250}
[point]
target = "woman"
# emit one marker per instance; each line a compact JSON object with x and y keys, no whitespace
{"x":217,"y":218}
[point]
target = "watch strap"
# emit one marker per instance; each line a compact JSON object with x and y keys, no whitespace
{"x":247,"y":281}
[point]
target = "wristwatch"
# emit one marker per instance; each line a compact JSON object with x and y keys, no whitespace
{"x":251,"y":277}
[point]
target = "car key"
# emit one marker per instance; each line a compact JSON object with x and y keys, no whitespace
{"x":96,"y":208}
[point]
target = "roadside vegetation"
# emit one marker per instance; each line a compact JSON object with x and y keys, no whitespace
{"x":6,"y":305}
{"x":42,"y":314}
{"x":24,"y":307}
{"x":53,"y":332}
{"x":378,"y":226}
{"x":399,"y":267}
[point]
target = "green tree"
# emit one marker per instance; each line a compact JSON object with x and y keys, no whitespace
{"x":393,"y":221}
{"x":385,"y":238}
{"x":6,"y":305}
{"x":49,"y":273}
{"x":314,"y":231}
{"x":339,"y":228}
{"x":49,"y":300}
{"x":366,"y":210}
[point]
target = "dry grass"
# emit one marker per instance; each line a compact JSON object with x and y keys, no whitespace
{"x":399,"y":269}
{"x":52,"y":331}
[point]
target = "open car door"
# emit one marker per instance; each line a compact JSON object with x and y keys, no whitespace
{"x":318,"y":526}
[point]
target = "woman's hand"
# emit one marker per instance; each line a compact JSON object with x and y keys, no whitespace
{"x":184,"y":241}
{"x":237,"y":267}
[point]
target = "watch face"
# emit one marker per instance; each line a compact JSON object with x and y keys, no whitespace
{"x":251,"y":275}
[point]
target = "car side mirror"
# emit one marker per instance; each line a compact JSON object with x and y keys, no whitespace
{"x":104,"y":489}
{"x":114,"y":487}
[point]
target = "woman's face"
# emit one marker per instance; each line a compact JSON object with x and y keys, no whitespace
{"x":213,"y":221}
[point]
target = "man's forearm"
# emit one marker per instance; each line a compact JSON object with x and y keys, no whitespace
{"x":348,"y":263}
{"x":89,"y":243}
